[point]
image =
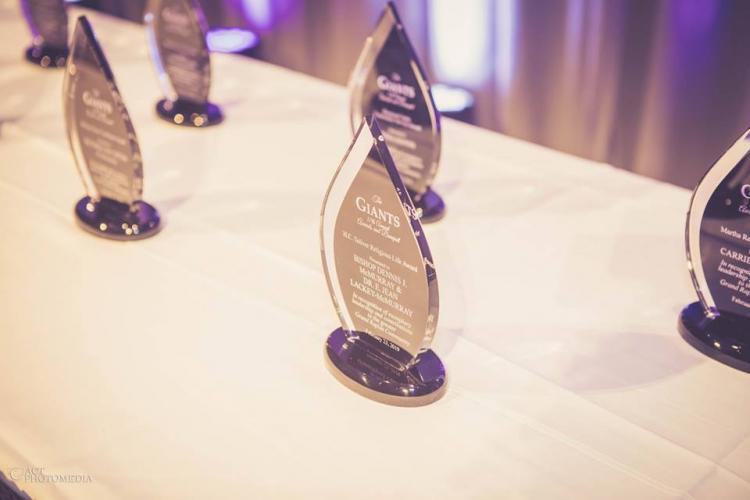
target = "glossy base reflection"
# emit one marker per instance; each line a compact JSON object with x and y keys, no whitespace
{"x":364,"y":367}
{"x":431,"y":204}
{"x":725,"y":338}
{"x":46,"y":56}
{"x":111,"y":219}
{"x":189,"y":114}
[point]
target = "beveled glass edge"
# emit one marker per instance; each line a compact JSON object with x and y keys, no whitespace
{"x":354,"y":158}
{"x":136,"y":187}
{"x":70,"y":114}
{"x":696,"y":210}
{"x":433,"y":297}
{"x":373,"y":45}
{"x":437,"y":137}
{"x":74,"y":140}
{"x":84,"y":24}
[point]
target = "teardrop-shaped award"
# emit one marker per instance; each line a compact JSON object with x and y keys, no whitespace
{"x":718,"y":250}
{"x":104,"y":145}
{"x":177,"y":37}
{"x":381,"y":279}
{"x":48,"y":22}
{"x":388,"y":82}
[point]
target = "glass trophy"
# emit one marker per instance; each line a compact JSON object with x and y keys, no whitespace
{"x":104,"y":145}
{"x":389,"y":83}
{"x":48,"y":21}
{"x":177,"y":37}
{"x":718,"y":249}
{"x":381,"y":279}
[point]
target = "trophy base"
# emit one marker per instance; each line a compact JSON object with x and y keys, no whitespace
{"x":46,"y":56}
{"x":431,"y":205}
{"x":725,"y":338}
{"x":117,"y":221}
{"x":189,"y":114}
{"x":363,"y":367}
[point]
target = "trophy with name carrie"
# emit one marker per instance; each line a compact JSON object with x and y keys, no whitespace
{"x":389,"y":83}
{"x":381,"y":279}
{"x":104,"y":145}
{"x":48,"y":22}
{"x":177,"y":37}
{"x":718,"y":251}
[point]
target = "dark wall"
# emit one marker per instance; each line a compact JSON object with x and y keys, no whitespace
{"x":659,"y":87}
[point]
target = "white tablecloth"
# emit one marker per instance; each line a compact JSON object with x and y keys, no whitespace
{"x":190,"y":365}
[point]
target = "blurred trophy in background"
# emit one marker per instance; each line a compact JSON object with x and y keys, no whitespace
{"x":388,"y":82}
{"x":48,"y":22}
{"x":104,"y":145}
{"x":177,"y":38}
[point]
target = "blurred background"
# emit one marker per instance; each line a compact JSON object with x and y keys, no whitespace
{"x":658,"y":87}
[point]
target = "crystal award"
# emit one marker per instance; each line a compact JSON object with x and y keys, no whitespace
{"x":717,"y":238}
{"x":389,"y":83}
{"x":381,"y":279}
{"x":48,"y":22}
{"x":104,"y":145}
{"x":177,"y":38}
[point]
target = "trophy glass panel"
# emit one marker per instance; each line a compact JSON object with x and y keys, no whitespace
{"x":381,"y":277}
{"x":48,"y":22}
{"x":104,"y":145}
{"x":718,"y":251}
{"x":99,"y":128}
{"x":389,"y":84}
{"x":176,"y":31}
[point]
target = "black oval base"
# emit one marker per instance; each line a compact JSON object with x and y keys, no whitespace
{"x":431,"y":205}
{"x":46,"y":56}
{"x":116,"y":221}
{"x":189,"y":114}
{"x":364,"y":368}
{"x":725,"y":338}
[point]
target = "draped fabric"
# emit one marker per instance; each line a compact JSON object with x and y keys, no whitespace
{"x":658,"y":87}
